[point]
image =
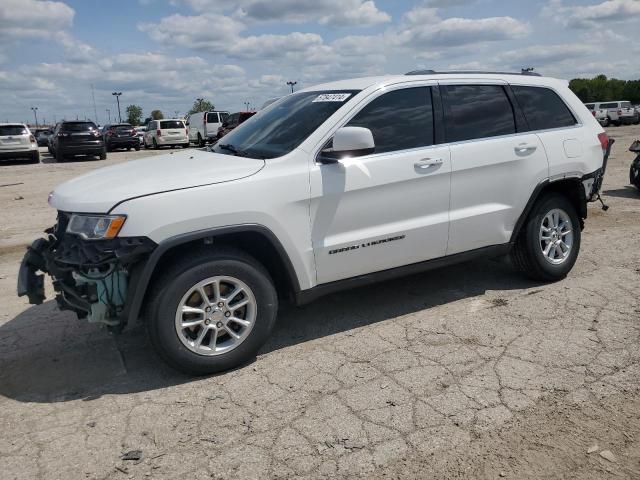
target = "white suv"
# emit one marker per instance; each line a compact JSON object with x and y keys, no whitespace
{"x":618,"y":113}
{"x":331,"y":187}
{"x":170,"y":132}
{"x":17,"y":141}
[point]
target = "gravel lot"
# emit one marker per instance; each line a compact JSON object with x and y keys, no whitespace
{"x":467,"y":372}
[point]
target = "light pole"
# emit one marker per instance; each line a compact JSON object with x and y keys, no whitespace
{"x":246,"y":104}
{"x":291,"y":84}
{"x":117,"y":95}
{"x":108,"y":114}
{"x":35,"y":114}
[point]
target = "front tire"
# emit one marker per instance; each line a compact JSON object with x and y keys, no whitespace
{"x":212,"y":311}
{"x":549,"y":243}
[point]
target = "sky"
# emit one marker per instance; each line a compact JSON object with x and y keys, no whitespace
{"x":163,"y":54}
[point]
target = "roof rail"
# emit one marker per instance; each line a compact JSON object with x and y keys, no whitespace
{"x":467,"y":72}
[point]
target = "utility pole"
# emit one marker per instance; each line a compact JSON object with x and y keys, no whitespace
{"x":35,"y":114}
{"x":109,"y":114}
{"x":117,"y":95}
{"x":95,"y":112}
{"x":246,"y":104}
{"x":291,"y":84}
{"x":177,"y":112}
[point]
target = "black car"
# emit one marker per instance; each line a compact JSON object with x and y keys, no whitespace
{"x":77,"y":138}
{"x":121,"y":135}
{"x":42,"y":136}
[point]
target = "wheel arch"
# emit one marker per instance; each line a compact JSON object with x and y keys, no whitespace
{"x":571,"y":188}
{"x":256,"y":240}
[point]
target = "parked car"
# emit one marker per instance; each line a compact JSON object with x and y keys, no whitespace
{"x":203,"y":126}
{"x":71,"y":138}
{"x":51,"y":137}
{"x":120,"y":135}
{"x":333,"y":187}
{"x":618,"y":113}
{"x":233,"y":121}
{"x":166,"y":133}
{"x":600,"y":114}
{"x":140,"y":131}
{"x":17,"y":141}
{"x":42,"y":136}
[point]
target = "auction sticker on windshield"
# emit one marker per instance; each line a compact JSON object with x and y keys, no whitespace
{"x":332,"y":97}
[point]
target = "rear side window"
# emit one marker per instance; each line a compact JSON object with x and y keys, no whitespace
{"x":78,"y":126}
{"x":171,"y":124}
{"x":399,"y":120}
{"x":608,"y":105}
{"x":543,"y":108}
{"x":212,"y":117}
{"x":477,"y":111}
{"x":590,"y":106}
{"x":6,"y":130}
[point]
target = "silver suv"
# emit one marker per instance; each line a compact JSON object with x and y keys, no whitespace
{"x":17,"y":141}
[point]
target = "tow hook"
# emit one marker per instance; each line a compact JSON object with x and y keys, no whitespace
{"x":605,"y":207}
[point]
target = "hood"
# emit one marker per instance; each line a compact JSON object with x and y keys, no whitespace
{"x":100,"y":190}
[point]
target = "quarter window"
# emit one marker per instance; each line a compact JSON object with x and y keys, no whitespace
{"x":477,"y":111}
{"x":399,"y":120}
{"x":543,"y":108}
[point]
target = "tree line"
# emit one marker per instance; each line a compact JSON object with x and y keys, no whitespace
{"x":603,"y":89}
{"x":134,"y":112}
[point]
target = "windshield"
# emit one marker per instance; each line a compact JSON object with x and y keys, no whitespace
{"x":283,"y":126}
{"x":6,"y":130}
{"x":171,"y":124}
{"x":78,"y":126}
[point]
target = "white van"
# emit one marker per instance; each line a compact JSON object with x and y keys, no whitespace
{"x":203,"y":126}
{"x":169,"y":132}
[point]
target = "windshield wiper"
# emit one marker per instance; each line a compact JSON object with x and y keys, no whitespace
{"x":232,"y":149}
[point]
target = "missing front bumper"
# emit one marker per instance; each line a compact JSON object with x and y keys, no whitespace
{"x":90,"y":278}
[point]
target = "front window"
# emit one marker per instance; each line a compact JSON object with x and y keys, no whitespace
{"x":283,"y":126}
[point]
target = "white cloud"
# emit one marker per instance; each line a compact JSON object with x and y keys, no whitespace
{"x":33,"y":19}
{"x":359,"y":13}
{"x":581,"y":16}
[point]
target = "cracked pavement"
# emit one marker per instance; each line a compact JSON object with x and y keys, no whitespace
{"x":467,"y":372}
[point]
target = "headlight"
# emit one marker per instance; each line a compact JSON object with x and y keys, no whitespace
{"x":96,"y":227}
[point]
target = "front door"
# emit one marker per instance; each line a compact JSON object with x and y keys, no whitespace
{"x":389,"y":208}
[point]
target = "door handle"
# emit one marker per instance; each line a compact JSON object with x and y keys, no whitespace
{"x":428,"y":162}
{"x":525,"y":149}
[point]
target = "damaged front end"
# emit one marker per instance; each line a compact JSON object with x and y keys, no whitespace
{"x":91,"y":277}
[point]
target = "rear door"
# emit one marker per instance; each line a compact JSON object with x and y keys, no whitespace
{"x":495,"y":165}
{"x":172,"y":129}
{"x":14,"y":137}
{"x":389,"y":208}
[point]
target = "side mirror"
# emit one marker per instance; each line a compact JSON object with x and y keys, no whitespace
{"x":349,"y":142}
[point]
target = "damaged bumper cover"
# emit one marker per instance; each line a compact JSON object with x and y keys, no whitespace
{"x":90,"y":277}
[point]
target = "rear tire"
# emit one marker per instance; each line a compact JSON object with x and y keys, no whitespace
{"x":201,"y":142}
{"x":59,"y":156}
{"x":529,"y":251}
{"x":137,"y":147}
{"x":103,"y":155}
{"x":607,"y":122}
{"x":634,"y":174}
{"x":185,"y":145}
{"x":172,"y":291}
{"x":155,"y":144}
{"x":35,"y":157}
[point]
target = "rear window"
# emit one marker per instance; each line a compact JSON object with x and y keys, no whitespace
{"x":165,"y":124}
{"x":477,"y":111}
{"x":6,"y":130}
{"x":626,"y":104}
{"x":224,"y":116}
{"x":212,"y":118}
{"x":543,"y":108}
{"x":78,"y":126}
{"x":122,"y":127}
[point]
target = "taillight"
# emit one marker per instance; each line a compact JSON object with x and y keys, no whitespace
{"x":32,"y":138}
{"x":133,"y":132}
{"x":593,"y":112}
{"x":63,"y":134}
{"x":619,"y":112}
{"x":604,"y":142}
{"x":110,"y":133}
{"x":158,"y":133}
{"x":186,"y":131}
